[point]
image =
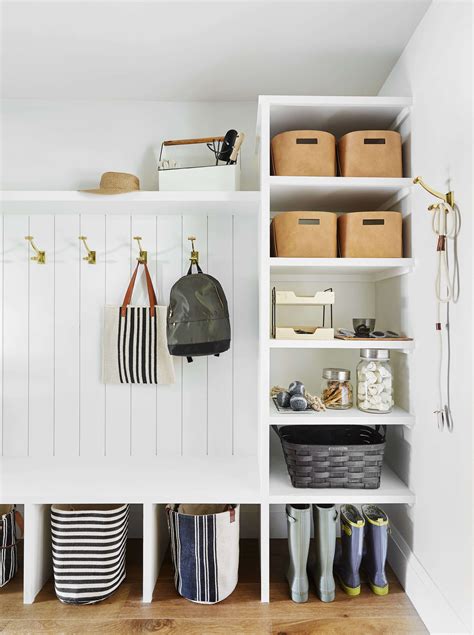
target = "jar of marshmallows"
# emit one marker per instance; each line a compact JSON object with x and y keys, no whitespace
{"x":374,"y":381}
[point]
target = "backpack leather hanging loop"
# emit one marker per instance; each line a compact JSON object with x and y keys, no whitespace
{"x":190,"y":270}
{"x":151,"y":291}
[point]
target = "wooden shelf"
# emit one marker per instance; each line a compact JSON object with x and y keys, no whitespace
{"x":352,"y":416}
{"x":371,"y":269}
{"x":392,"y":489}
{"x":335,"y":193}
{"x":130,"y":480}
{"x":401,"y":345}
{"x":144,"y":202}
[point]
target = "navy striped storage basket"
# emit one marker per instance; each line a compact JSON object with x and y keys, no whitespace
{"x":205,"y":552}
{"x":8,"y":544}
{"x":89,"y":549}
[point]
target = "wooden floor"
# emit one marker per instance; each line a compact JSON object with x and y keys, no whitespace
{"x":242,"y":612}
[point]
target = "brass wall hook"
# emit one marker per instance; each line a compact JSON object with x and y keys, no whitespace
{"x":142,"y":254}
{"x":90,"y":254}
{"x":194,"y":254}
{"x":40,"y":257}
{"x":447,"y":198}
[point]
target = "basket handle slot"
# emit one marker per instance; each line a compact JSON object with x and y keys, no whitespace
{"x":309,"y":221}
{"x":306,"y":141}
{"x":374,"y":142}
{"x":373,"y":221}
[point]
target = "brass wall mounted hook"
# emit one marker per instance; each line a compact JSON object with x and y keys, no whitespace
{"x":447,"y":198}
{"x":90,"y":254}
{"x":40,"y":257}
{"x":194,"y":254}
{"x":142,"y":254}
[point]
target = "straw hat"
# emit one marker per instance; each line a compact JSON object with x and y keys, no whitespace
{"x":116,"y":183}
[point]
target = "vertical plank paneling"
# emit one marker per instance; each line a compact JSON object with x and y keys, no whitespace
{"x":143,"y":406}
{"x":41,"y":338}
{"x":66,"y":345}
{"x":92,"y":404}
{"x":245,"y":336}
{"x":118,"y":259}
{"x":169,"y":267}
{"x":15,"y":336}
{"x":1,"y":332}
{"x":219,"y":389}
{"x":194,"y":388}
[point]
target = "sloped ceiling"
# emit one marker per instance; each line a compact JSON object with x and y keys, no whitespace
{"x":194,"y":51}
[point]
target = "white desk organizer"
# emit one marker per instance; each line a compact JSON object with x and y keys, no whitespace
{"x":289,"y":298}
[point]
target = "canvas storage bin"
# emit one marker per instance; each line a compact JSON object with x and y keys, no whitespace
{"x":89,"y":549}
{"x":370,"y":235}
{"x":304,"y":153}
{"x":304,"y":235}
{"x":205,"y":551}
{"x":333,"y":456}
{"x":8,"y":544}
{"x":370,"y":153}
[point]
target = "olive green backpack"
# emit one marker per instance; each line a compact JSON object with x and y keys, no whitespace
{"x":198,"y":316}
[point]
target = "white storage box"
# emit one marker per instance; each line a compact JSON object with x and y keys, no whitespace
{"x":213,"y":177}
{"x":190,"y":169}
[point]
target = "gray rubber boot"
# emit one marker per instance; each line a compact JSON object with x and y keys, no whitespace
{"x":325,"y":545}
{"x":298,"y":519}
{"x":376,"y":542}
{"x":349,"y":555}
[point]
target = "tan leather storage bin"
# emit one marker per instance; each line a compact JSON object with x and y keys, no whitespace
{"x":370,"y":235}
{"x":304,"y":153}
{"x":370,"y":153}
{"x":304,"y":235}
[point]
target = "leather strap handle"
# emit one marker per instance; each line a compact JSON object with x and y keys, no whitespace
{"x":151,"y":291}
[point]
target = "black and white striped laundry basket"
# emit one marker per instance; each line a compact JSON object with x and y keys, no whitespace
{"x":205,"y":553}
{"x":89,"y":550}
{"x":8,"y":544}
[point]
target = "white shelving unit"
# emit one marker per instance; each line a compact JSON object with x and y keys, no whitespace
{"x":261,"y":480}
{"x":338,"y":115}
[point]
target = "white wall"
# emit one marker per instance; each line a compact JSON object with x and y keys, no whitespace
{"x":66,"y":145}
{"x":435,"y":69}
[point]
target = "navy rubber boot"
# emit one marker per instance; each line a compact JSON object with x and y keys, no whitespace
{"x":349,"y":553}
{"x":376,"y":542}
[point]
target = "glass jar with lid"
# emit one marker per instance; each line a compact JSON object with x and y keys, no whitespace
{"x":336,"y":388}
{"x":374,"y":381}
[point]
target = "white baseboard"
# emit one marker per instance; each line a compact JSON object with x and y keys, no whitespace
{"x":431,"y":604}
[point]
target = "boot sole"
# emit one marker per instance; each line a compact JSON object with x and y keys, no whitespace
{"x":327,"y":597}
{"x":379,"y":590}
{"x":349,"y":590}
{"x":299,"y":598}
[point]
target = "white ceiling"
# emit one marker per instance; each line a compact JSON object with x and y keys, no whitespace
{"x":187,"y":51}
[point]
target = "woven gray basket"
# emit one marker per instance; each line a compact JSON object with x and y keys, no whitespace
{"x":329,"y":456}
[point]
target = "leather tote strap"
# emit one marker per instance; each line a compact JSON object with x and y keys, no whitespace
{"x":151,"y":291}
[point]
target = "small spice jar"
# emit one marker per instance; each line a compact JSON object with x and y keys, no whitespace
{"x":374,"y":381}
{"x":336,"y":388}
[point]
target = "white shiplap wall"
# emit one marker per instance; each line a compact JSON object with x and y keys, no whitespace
{"x":53,"y":400}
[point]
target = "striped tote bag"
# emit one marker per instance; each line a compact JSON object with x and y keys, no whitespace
{"x":135,"y":349}
{"x":89,"y":549}
{"x":205,"y":553}
{"x":8,"y":544}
